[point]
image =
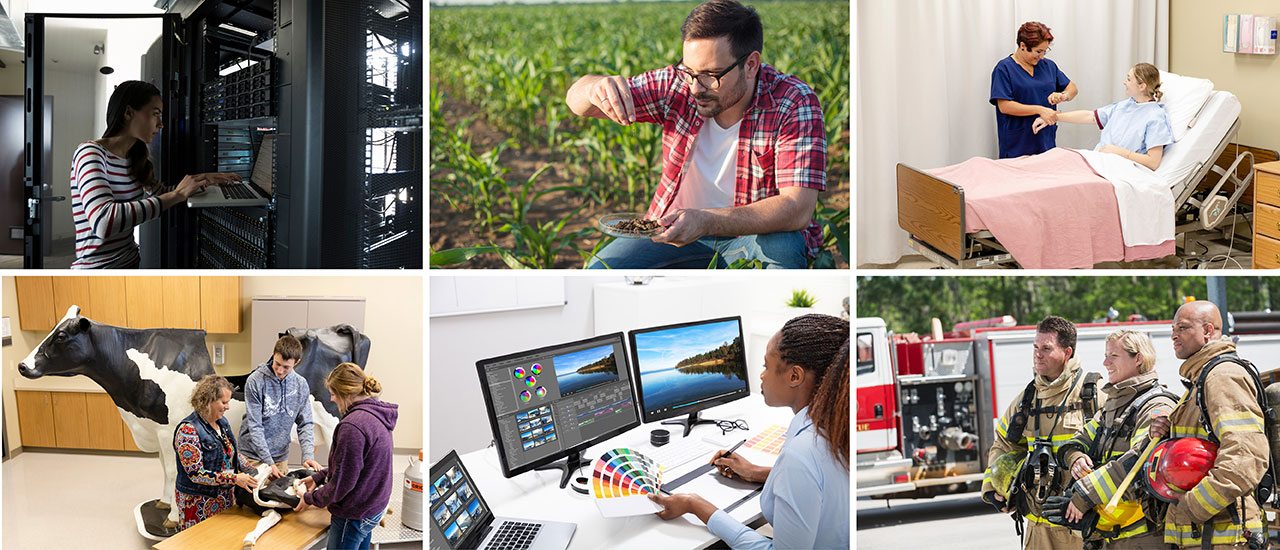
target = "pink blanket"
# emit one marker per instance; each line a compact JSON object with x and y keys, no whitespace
{"x":1050,"y":211}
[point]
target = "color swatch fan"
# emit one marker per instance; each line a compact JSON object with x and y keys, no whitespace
{"x":622,"y":480}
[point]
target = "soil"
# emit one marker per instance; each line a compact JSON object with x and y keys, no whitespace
{"x":450,"y":228}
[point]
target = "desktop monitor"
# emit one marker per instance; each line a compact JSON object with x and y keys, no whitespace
{"x":684,"y":369}
{"x":552,"y":403}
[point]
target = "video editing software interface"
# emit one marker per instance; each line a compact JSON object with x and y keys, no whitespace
{"x":551,"y":401}
{"x":456,"y":508}
{"x":684,"y":367}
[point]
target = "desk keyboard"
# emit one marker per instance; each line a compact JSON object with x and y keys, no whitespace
{"x":678,"y":453}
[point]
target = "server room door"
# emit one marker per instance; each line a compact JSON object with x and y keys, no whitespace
{"x":75,"y":61}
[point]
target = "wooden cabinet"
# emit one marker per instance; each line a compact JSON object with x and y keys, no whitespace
{"x":35,"y":303}
{"x":144,"y":301}
{"x":209,"y":303}
{"x":181,"y":302}
{"x":106,"y":429}
{"x":35,"y":418}
{"x":71,"y":420}
{"x":220,"y":304}
{"x":1266,"y":211}
{"x":72,"y":291}
{"x":110,"y":304}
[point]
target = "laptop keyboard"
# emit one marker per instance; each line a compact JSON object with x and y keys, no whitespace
{"x":236,"y":191}
{"x":514,"y":535}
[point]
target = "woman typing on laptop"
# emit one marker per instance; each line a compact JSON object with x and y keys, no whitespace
{"x":113,"y":180}
{"x":806,"y":492}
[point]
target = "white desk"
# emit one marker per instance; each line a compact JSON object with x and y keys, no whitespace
{"x":537,"y":495}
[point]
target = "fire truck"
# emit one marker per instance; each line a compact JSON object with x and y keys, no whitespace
{"x":927,"y":406}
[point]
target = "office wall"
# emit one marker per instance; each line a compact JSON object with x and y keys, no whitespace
{"x":1195,"y":41}
{"x":393,"y":321}
{"x":73,"y":111}
{"x":458,"y":417}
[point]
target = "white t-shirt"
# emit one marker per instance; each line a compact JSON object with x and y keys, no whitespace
{"x":710,"y":175}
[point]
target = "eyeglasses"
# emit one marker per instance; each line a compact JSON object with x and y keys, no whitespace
{"x":727,"y":426}
{"x":708,"y":81}
{"x":1045,"y":53}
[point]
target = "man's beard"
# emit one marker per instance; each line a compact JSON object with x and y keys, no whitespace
{"x":710,"y":110}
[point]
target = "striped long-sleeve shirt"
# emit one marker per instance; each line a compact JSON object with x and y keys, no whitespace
{"x":106,"y":204}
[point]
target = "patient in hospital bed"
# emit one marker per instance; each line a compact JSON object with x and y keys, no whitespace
{"x":1136,"y":128}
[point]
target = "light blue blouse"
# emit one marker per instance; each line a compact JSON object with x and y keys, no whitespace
{"x":1134,"y":126}
{"x":805,"y":498}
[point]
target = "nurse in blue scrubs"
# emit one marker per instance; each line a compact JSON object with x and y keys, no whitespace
{"x":1026,"y":86}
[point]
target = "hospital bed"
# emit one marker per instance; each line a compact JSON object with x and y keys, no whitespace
{"x":933,"y":209}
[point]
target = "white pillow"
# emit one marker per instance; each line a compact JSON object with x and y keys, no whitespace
{"x":1183,"y":97}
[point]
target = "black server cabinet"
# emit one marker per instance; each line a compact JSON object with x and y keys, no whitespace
{"x":340,"y":87}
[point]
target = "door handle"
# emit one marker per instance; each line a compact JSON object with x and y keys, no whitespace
{"x":879,"y":410}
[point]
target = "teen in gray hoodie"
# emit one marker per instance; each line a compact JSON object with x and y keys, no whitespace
{"x":276,"y":399}
{"x":356,"y":486}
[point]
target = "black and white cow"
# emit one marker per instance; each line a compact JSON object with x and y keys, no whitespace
{"x":150,"y":374}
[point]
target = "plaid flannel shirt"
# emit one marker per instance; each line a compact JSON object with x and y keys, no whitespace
{"x":781,"y":143}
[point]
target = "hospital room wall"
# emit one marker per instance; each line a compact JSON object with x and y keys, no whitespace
{"x":458,"y":417}
{"x":1195,"y":37}
{"x":393,"y":323}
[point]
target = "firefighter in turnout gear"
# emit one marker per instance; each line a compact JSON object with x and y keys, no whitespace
{"x":1045,"y":416}
{"x":1221,"y":511}
{"x":1102,"y":453}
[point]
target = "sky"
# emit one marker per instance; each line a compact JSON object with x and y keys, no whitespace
{"x":662,"y":350}
{"x":565,"y":364}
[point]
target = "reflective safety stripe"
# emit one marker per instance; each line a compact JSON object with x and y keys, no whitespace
{"x":1223,"y":533}
{"x":1137,"y":436}
{"x":1103,"y":486}
{"x":1134,"y":529}
{"x":1238,"y":422}
{"x":1188,"y":431}
{"x":1091,"y":429}
{"x":1037,"y":519}
{"x":1208,"y":498}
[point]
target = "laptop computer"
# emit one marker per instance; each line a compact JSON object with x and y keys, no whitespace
{"x":460,"y":517}
{"x":255,"y":192}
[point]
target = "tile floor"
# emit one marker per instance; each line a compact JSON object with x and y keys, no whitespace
{"x":86,"y":500}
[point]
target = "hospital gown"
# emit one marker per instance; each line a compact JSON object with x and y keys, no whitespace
{"x":1134,"y":126}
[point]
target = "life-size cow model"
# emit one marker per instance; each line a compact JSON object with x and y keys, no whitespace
{"x":150,"y":374}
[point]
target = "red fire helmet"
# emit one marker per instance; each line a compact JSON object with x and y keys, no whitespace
{"x":1177,"y":465}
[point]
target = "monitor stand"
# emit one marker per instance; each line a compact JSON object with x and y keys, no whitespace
{"x":689,"y":422}
{"x":567,"y":466}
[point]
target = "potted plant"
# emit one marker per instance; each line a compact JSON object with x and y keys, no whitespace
{"x":800,"y":298}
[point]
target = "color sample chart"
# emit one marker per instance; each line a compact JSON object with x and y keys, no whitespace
{"x":768,"y":441}
{"x":621,"y":481}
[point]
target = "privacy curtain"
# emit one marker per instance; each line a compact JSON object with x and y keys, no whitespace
{"x":923,"y":75}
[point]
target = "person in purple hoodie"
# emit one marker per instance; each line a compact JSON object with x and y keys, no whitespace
{"x":356,"y":486}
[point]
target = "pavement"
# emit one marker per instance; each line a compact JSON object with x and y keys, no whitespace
{"x":954,"y":522}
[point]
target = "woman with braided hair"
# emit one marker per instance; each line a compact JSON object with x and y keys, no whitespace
{"x":806,"y":492}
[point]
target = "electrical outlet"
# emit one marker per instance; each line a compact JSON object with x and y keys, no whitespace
{"x":219,"y":353}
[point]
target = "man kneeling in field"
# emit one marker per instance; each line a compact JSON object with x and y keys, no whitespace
{"x":744,"y":150}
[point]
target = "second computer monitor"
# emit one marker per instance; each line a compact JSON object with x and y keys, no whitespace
{"x":554,"y":402}
{"x":686,"y":368}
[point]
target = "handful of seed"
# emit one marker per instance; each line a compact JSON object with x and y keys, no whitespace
{"x":637,"y":225}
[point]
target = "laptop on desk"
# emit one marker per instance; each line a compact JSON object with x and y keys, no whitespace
{"x":255,"y":192}
{"x":460,"y":517}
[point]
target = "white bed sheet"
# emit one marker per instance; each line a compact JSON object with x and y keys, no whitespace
{"x":1180,"y":159}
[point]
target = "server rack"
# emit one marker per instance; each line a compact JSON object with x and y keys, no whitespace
{"x":339,"y":83}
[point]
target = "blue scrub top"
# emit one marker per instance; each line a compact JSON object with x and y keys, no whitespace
{"x":1010,"y":81}
{"x":1134,"y":126}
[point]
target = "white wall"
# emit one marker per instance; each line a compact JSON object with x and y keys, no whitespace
{"x":73,"y":108}
{"x":458,"y":417}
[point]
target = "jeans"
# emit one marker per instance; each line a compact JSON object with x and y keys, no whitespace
{"x":352,"y":534}
{"x":784,"y":250}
